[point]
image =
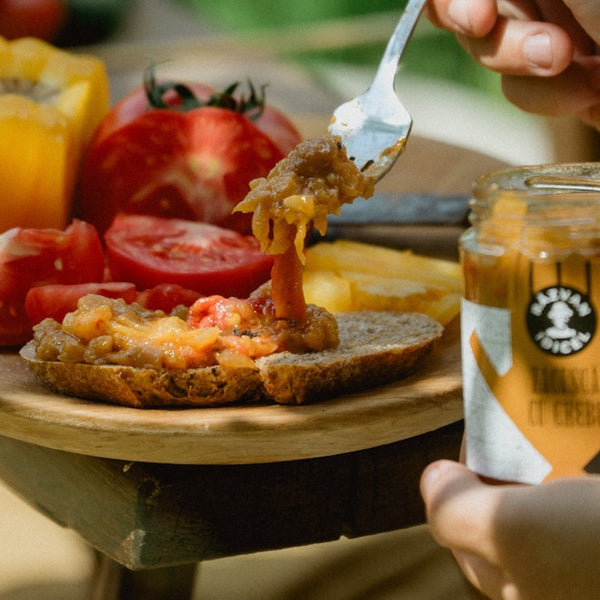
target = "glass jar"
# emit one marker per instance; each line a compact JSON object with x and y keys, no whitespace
{"x":531,"y":353}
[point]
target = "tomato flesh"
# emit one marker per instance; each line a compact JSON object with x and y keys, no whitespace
{"x":34,"y":257}
{"x":56,"y":300}
{"x":195,"y":165}
{"x":205,"y":258}
{"x":167,"y":296}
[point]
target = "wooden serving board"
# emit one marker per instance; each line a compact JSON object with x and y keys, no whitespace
{"x":428,"y":400}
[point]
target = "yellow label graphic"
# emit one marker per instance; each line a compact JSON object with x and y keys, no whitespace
{"x":551,"y":387}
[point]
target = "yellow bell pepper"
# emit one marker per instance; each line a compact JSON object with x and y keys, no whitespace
{"x":51,"y":102}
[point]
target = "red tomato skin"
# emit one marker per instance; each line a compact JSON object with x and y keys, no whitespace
{"x":167,"y":296}
{"x":279,"y":128}
{"x":195,"y":165}
{"x":272,"y":122}
{"x":32,"y":18}
{"x":56,"y":300}
{"x":135,"y":104}
{"x":150,"y":251}
{"x":33,"y":257}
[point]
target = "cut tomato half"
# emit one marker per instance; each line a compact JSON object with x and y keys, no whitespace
{"x":208,"y":259}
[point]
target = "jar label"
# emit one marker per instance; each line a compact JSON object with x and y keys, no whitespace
{"x":532,"y":374}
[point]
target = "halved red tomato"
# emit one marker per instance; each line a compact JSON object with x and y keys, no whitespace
{"x":136,"y":103}
{"x":194,"y":166}
{"x":33,"y":257}
{"x":179,"y":157}
{"x":151,"y":250}
{"x":272,"y":122}
{"x":56,"y":300}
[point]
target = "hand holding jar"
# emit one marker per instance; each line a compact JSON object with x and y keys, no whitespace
{"x":518,"y":542}
{"x":531,"y":386}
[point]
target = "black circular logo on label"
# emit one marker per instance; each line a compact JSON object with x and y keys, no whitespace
{"x":561,"y":320}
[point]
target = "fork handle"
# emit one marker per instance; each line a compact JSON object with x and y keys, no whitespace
{"x":388,"y":67}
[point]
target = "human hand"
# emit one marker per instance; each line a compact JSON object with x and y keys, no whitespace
{"x":544,"y":49}
{"x":518,"y":542}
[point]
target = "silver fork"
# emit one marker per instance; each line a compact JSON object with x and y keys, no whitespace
{"x":374,"y":126}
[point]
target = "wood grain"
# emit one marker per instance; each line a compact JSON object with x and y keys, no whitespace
{"x":429,"y":399}
{"x":148,"y":515}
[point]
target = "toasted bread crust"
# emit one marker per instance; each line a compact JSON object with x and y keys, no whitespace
{"x":140,"y":388}
{"x":375,"y":348}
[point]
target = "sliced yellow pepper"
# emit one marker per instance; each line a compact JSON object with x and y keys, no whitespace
{"x":36,"y":164}
{"x":51,"y":102}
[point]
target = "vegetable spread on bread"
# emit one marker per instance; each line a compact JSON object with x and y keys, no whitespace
{"x":271,"y":345}
{"x":315,"y":179}
{"x":134,"y":269}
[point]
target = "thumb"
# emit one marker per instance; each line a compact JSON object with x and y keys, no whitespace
{"x":460,"y":508}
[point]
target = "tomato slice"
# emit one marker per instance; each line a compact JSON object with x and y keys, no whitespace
{"x":56,"y":300}
{"x":150,"y":250}
{"x":34,"y":257}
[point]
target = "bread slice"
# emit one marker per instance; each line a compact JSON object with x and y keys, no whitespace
{"x":140,"y":388}
{"x":375,"y":348}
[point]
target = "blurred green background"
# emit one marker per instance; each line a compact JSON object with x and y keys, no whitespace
{"x":431,"y":53}
{"x":258,"y":14}
{"x":319,"y":34}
